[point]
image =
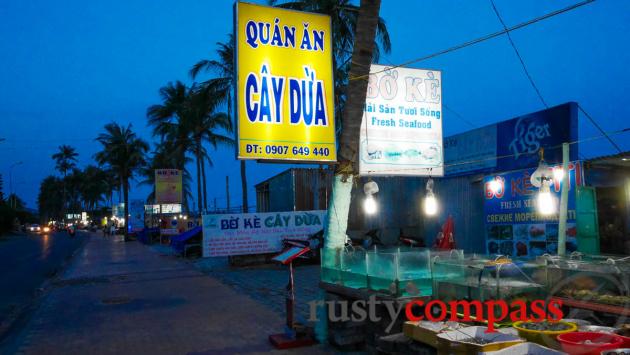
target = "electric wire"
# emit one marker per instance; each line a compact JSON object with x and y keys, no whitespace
{"x":600,"y":129}
{"x":482,"y":39}
{"x":520,"y":58}
{"x":592,"y":138}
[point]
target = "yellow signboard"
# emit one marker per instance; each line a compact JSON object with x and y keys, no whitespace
{"x":285,"y":96}
{"x":168,"y":186}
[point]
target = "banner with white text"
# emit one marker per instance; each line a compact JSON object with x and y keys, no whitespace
{"x":401,"y":130}
{"x":256,"y":233}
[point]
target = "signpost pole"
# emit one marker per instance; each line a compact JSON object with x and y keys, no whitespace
{"x":564,"y":201}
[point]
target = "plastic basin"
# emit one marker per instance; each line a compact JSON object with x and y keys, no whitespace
{"x":577,"y":343}
{"x":543,"y":337}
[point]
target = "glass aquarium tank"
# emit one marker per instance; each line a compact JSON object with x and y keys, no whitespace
{"x":482,"y":277}
{"x":353,"y":269}
{"x":403,"y":272}
{"x":330,"y":265}
{"x":344,"y":267}
{"x":598,"y":282}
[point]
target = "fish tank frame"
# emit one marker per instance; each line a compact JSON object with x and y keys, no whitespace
{"x":389,"y":271}
{"x":595,"y":282}
{"x":485,"y":277}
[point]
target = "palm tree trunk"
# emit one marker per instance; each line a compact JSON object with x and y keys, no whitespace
{"x":198,"y":158}
{"x":245,"y":203}
{"x":337,"y":222}
{"x":205,"y":193}
{"x":126,"y":208}
{"x":63,"y":201}
{"x":244,"y":186}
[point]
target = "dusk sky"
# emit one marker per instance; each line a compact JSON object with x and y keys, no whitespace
{"x":68,"y":68}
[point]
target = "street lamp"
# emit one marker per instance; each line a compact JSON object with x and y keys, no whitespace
{"x":12,"y":202}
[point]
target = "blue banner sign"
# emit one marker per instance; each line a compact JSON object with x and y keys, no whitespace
{"x":513,"y":144}
{"x":513,"y":225}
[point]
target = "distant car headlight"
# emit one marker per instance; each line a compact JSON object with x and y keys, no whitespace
{"x":31,"y":229}
{"x":46,"y":229}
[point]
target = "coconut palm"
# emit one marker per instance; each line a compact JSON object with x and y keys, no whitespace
{"x":65,"y":160}
{"x":207,"y":126}
{"x":49,"y":199}
{"x":343,"y":15}
{"x":168,"y":122}
{"x":124,"y":153}
{"x":163,"y":158}
{"x":93,"y":187}
{"x":222,"y":88}
{"x":367,"y":25}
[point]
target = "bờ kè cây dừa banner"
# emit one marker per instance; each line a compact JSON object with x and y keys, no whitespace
{"x":284,"y":86}
{"x":257,"y":233}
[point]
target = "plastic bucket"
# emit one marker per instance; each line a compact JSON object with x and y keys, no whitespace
{"x":543,"y":337}
{"x":579,"y":343}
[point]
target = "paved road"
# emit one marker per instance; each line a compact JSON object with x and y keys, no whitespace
{"x":126,"y":298}
{"x":26,"y":261}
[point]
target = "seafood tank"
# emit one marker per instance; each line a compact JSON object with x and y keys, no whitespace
{"x":481,"y":277}
{"x":595,"y":280}
{"x":403,"y":272}
{"x":397,"y":271}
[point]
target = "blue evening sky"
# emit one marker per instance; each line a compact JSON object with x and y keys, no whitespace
{"x":69,"y":67}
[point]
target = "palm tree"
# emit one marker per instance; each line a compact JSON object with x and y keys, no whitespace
{"x":163,"y":158}
{"x":222,"y":87}
{"x":206,"y":126}
{"x":187,"y":119}
{"x":93,"y":187}
{"x":49,"y":199}
{"x":168,"y":120}
{"x":124,"y":153}
{"x":366,"y":29}
{"x":65,"y":160}
{"x":344,"y":16}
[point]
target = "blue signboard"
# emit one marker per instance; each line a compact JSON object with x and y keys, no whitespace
{"x":519,"y":139}
{"x":513,"y":144}
{"x":514,"y":226}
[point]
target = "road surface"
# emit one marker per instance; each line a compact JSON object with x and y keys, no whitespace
{"x":26,"y":261}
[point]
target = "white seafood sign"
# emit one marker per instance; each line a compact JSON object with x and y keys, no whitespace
{"x":401,"y":130}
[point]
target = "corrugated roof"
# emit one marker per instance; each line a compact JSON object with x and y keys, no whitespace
{"x":620,"y":159}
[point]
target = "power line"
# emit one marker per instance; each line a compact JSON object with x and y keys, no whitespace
{"x":605,"y":134}
{"x":529,"y":77}
{"x":600,"y":129}
{"x":484,"y":38}
{"x":459,"y":116}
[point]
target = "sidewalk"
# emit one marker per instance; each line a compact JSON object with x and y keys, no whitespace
{"x":126,"y":298}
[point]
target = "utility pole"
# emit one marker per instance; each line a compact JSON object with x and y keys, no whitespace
{"x":227,"y":190}
{"x":564,"y":201}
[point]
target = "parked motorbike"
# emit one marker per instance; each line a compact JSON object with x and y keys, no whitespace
{"x":411,"y":241}
{"x":366,"y":241}
{"x":315,"y":242}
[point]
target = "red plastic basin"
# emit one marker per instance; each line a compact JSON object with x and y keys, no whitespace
{"x":577,"y":343}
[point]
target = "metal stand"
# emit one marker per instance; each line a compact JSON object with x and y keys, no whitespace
{"x":290,"y":338}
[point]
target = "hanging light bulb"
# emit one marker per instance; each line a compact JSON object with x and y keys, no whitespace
{"x":545,"y":201}
{"x":430,"y":202}
{"x":558,"y":173}
{"x":369,"y":203}
{"x":541,"y":173}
